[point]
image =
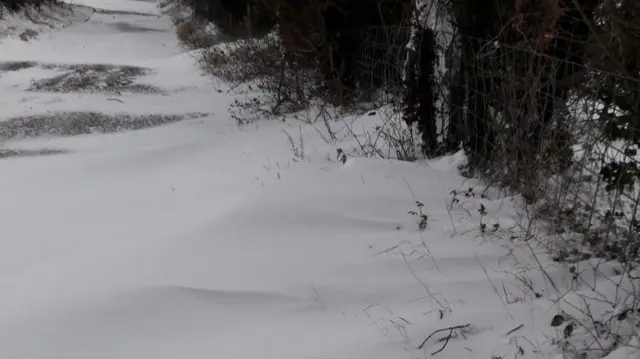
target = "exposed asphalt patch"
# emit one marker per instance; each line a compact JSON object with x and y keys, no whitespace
{"x":10,"y":66}
{"x":9,"y":152}
{"x":16,"y":65}
{"x":98,"y":78}
{"x":94,"y":78}
{"x":81,"y":123}
{"x":129,"y":27}
{"x":123,"y":12}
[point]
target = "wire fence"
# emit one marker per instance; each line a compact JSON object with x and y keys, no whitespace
{"x":554,"y":122}
{"x":546,"y":112}
{"x":556,"y":117}
{"x":381,"y":56}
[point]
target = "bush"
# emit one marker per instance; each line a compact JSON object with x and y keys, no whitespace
{"x":196,"y":34}
{"x":14,"y":5}
{"x":263,"y":64}
{"x":238,"y":18}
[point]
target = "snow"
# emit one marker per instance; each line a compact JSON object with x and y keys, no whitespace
{"x":629,"y":351}
{"x":198,"y":239}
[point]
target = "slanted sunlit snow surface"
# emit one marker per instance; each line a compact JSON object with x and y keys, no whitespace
{"x":138,"y":221}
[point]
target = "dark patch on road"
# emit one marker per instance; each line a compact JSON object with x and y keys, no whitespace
{"x":129,"y":27}
{"x":16,"y":65}
{"x":66,"y":124}
{"x":124,"y":12}
{"x":10,"y":152}
{"x":95,"y":78}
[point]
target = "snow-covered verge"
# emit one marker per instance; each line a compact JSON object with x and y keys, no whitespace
{"x":192,"y":238}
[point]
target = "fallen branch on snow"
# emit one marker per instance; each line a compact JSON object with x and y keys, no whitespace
{"x":446,"y":340}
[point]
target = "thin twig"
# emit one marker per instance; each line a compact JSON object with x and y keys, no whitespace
{"x":443,"y":330}
{"x":424,"y":284}
{"x":515,"y":329}
{"x":445,"y":343}
{"x":495,"y":289}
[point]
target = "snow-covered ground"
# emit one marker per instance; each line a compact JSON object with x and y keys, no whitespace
{"x":197,"y":239}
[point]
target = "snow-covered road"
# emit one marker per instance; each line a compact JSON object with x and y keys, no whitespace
{"x":195,"y":239}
